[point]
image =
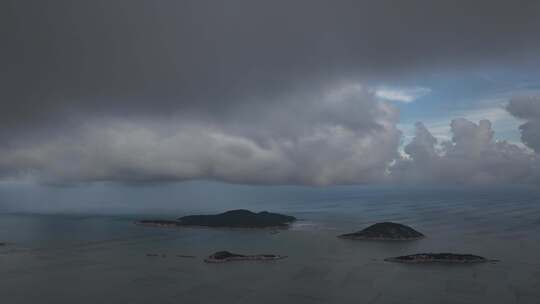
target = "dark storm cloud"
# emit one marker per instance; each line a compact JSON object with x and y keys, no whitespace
{"x":154,"y":57}
{"x":173,"y":90}
{"x":528,"y":109}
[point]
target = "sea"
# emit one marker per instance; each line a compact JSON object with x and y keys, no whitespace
{"x":81,"y":257}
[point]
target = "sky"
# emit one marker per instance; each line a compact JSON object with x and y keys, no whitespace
{"x":250,"y":92}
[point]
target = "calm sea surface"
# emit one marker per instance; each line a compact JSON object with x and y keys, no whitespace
{"x":103,"y":258}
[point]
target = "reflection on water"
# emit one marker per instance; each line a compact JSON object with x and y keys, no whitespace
{"x":103,"y":259}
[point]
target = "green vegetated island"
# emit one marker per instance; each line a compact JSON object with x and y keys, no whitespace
{"x":386,"y":231}
{"x":231,"y":219}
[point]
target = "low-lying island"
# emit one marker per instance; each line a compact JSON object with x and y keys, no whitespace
{"x":226,"y":256}
{"x":452,"y":258}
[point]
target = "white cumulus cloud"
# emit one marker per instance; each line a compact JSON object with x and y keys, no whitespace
{"x":471,"y":156}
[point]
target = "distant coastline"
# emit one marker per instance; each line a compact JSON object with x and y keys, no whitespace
{"x":158,"y":223}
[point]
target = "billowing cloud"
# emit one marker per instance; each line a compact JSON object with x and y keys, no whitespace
{"x":343,"y":136}
{"x":470,"y":157}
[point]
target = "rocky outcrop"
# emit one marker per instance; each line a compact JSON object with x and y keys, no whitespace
{"x":226,"y":256}
{"x":439,"y":258}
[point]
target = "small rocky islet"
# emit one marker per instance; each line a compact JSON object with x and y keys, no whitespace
{"x":226,"y":256}
{"x":386,"y":231}
{"x":450,"y":258}
{"x":239,"y":218}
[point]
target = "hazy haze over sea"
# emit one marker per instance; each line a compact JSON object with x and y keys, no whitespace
{"x":98,"y":258}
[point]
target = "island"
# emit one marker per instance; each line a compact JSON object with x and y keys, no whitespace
{"x":226,"y":256}
{"x":238,"y":218}
{"x":386,"y":231}
{"x":2,"y":244}
{"x":451,"y":258}
{"x":231,"y":219}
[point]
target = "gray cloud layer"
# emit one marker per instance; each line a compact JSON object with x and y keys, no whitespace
{"x":528,"y":108}
{"x":346,"y":136}
{"x":247,"y":91}
{"x":206,"y":58}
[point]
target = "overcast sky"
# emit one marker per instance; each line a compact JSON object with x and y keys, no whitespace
{"x":270,"y":92}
